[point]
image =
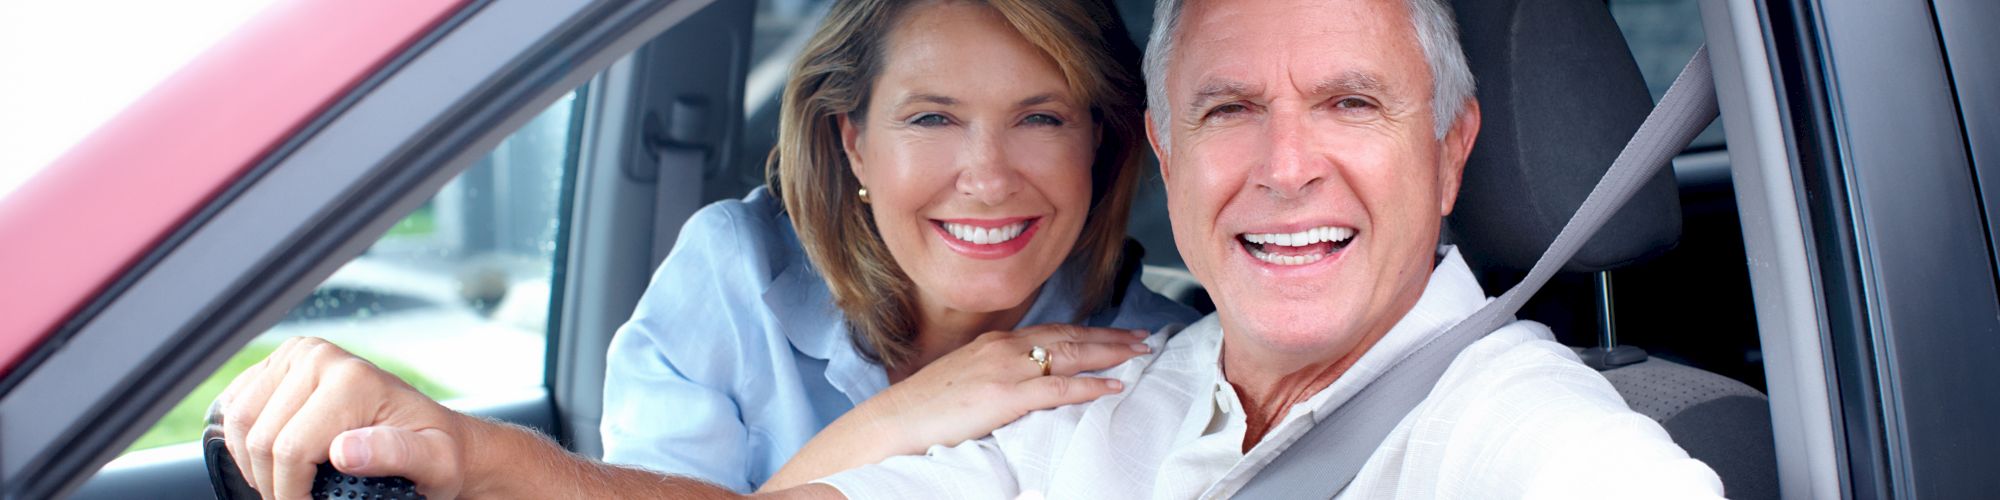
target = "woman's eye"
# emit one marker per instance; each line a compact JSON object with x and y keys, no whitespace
{"x":1043,"y":119}
{"x":930,"y":120}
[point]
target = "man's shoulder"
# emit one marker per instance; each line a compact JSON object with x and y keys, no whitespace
{"x":1516,"y":405}
{"x":1522,"y":359}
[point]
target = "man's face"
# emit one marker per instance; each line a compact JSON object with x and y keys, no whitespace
{"x":1305,"y":179}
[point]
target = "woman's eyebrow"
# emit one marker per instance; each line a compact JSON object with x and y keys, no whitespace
{"x":1038,"y":99}
{"x":923,"y":97}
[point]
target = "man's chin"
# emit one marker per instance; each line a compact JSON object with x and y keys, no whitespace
{"x":1290,"y":331}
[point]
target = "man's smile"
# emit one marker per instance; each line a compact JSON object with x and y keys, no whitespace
{"x":1297,"y":248}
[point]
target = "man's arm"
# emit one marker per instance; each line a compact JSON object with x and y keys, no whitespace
{"x":311,"y":402}
{"x":516,"y":462}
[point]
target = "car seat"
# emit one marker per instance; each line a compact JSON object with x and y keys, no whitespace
{"x":1560,"y":95}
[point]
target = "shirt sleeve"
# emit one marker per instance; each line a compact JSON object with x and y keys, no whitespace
{"x":1537,"y":423}
{"x":669,"y":370}
{"x":974,"y":469}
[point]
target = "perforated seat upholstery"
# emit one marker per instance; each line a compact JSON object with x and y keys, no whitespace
{"x":1718,"y":420}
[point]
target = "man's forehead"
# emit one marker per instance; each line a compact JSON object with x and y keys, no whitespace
{"x":1232,"y":45}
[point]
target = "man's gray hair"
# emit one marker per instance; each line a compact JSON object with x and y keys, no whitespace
{"x":1437,"y":33}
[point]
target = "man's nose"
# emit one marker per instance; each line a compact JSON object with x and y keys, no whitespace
{"x":985,"y":174}
{"x":1291,"y":167}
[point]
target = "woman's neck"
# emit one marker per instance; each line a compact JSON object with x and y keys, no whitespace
{"x":941,"y":329}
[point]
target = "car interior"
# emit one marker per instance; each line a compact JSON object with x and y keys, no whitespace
{"x":1660,"y":301}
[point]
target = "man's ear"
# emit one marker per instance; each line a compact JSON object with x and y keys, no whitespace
{"x":1456,"y":147}
{"x":1153,"y":139}
{"x":850,"y":142}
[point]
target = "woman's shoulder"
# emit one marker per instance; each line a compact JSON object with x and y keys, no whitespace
{"x":1139,"y":307}
{"x":707,"y":303}
{"x":727,"y":255}
{"x":752,"y":232}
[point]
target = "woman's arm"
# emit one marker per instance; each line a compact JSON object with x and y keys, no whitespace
{"x":964,"y":395}
{"x":670,"y":369}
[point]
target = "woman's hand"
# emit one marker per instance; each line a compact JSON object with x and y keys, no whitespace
{"x":966,"y":394}
{"x":312,"y":402}
{"x":991,"y":381}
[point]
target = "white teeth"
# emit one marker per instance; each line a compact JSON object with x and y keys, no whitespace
{"x":984,"y":235}
{"x":1301,"y":238}
{"x":1287,"y":260}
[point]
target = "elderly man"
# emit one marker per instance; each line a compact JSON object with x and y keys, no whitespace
{"x":1310,"y":150}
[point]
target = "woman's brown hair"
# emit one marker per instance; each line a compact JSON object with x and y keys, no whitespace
{"x":833,"y":77}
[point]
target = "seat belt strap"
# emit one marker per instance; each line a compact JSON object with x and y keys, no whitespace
{"x":1327,"y":457}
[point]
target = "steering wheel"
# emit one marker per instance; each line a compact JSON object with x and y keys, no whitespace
{"x":329,"y":483}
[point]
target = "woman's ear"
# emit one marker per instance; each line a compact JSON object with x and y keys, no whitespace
{"x":850,"y":142}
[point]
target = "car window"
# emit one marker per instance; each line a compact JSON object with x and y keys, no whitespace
{"x":454,"y":299}
{"x":71,"y":66}
{"x":1664,"y":35}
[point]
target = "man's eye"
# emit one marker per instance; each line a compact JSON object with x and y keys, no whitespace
{"x":1043,"y":119}
{"x":1354,"y":103}
{"x":930,"y":120}
{"x":1227,"y":110}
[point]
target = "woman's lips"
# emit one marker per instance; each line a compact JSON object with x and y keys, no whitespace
{"x":987,"y":238}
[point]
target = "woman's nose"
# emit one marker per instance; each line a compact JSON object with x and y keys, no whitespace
{"x":985,"y":174}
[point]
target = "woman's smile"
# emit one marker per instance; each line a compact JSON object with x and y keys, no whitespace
{"x":987,"y":238}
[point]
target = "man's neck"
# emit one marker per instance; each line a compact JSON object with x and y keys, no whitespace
{"x":1268,"y":389}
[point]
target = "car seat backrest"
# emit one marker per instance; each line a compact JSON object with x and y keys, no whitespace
{"x":1718,"y":420}
{"x":1560,"y":95}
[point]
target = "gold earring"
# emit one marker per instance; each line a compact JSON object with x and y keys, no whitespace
{"x":864,"y":195}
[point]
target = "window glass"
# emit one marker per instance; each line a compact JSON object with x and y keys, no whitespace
{"x":455,"y":298}
{"x":1664,"y":35}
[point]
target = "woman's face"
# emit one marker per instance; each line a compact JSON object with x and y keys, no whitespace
{"x":976,"y":156}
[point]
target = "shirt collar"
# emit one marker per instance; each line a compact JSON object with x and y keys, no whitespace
{"x":803,"y":305}
{"x":1451,"y":294}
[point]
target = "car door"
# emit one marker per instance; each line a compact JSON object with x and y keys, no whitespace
{"x":1869,"y":236}
{"x":218,"y":220}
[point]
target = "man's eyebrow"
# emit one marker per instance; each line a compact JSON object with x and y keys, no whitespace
{"x":1350,"y":82}
{"x":1218,"y":90}
{"x":926,"y":97}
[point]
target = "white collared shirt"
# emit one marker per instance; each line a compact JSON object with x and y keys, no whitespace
{"x":1515,"y":416}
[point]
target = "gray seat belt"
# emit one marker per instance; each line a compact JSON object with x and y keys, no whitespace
{"x":1327,"y":457}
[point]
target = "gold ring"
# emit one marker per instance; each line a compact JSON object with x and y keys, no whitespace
{"x":1041,"y":357}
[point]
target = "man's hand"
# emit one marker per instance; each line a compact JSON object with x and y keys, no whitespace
{"x":312,"y":402}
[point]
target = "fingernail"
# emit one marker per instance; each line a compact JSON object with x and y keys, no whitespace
{"x":1114,"y":384}
{"x":1141,"y":333}
{"x":1143,"y":348}
{"x":353,"y":451}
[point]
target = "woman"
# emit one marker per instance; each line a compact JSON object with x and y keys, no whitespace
{"x":949,"y":174}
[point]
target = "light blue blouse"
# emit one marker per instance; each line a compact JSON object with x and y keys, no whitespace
{"x":736,"y":354}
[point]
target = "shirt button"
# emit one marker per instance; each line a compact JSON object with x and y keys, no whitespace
{"x":1222,"y":400}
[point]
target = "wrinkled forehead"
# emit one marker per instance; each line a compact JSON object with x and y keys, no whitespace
{"x":1302,"y":45}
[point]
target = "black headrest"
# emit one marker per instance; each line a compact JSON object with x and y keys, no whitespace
{"x":1559,"y":95}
